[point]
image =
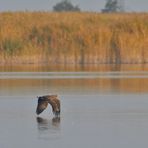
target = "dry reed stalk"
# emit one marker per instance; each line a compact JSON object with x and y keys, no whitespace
{"x":36,"y":37}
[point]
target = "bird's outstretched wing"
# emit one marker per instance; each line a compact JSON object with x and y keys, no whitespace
{"x":55,"y":103}
{"x":42,"y":105}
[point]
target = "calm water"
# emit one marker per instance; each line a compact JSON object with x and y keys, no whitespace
{"x":101,"y":107}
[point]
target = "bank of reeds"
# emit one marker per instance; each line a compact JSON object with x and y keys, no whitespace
{"x":50,"y":37}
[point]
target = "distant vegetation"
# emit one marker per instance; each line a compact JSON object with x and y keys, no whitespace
{"x":113,"y":6}
{"x":65,"y":5}
{"x":74,"y":37}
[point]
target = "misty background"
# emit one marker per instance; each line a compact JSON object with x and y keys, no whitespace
{"x":85,"y":5}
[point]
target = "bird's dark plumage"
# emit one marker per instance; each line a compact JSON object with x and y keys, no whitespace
{"x":52,"y":100}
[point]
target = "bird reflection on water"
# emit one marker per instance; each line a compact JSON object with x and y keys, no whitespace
{"x":48,"y":128}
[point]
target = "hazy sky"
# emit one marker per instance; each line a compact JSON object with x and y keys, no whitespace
{"x":87,"y":5}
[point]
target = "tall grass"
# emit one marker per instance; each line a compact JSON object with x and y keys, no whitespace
{"x":37,"y":37}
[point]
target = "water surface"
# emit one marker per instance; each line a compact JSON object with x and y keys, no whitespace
{"x":100,"y":108}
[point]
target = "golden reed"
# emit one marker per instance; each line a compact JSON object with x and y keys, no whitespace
{"x":50,"y":37}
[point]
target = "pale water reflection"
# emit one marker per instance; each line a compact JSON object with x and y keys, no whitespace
{"x":100,"y":108}
{"x":39,"y":83}
{"x":48,"y":127}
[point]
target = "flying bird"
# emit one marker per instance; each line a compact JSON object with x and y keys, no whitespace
{"x":43,"y":103}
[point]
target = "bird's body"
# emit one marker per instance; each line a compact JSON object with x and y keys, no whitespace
{"x":52,"y":100}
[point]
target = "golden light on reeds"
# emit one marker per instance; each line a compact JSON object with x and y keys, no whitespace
{"x":36,"y":37}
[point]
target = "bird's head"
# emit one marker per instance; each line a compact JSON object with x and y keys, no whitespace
{"x":42,"y":104}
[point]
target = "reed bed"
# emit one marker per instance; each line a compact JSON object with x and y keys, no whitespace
{"x":72,"y":38}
